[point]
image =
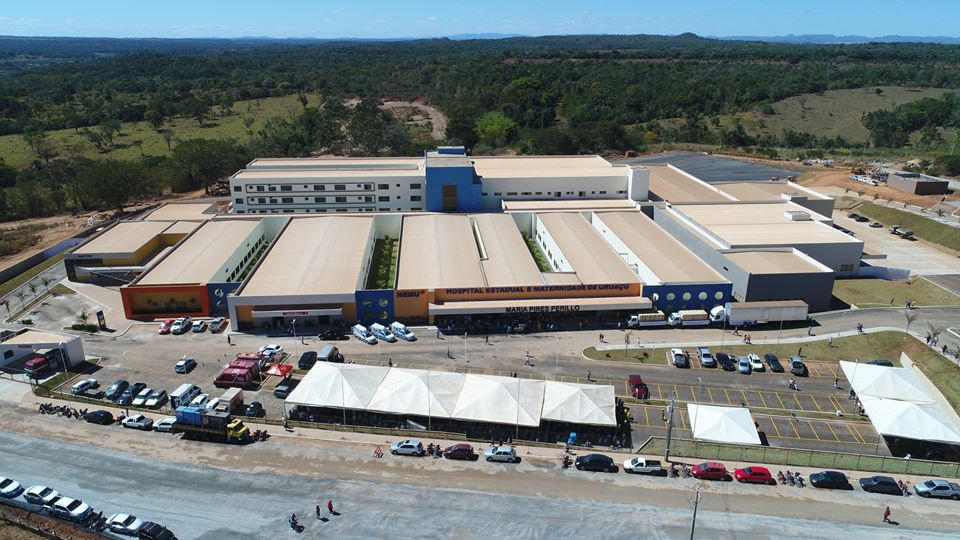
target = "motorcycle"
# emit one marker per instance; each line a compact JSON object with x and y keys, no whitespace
{"x":798,"y":479}
{"x":294,"y":524}
{"x":780,"y":478}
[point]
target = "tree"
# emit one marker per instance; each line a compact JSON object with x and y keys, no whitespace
{"x":112,"y":183}
{"x":46,"y":282}
{"x":197,"y":109}
{"x":110,"y":128}
{"x":83,"y":316}
{"x":139,"y":144}
{"x":33,"y":289}
{"x":168,"y":137}
{"x":198,"y":162}
{"x":8,"y":174}
{"x":20,"y":296}
{"x":154,"y":117}
{"x":495,"y":129}
{"x":910,"y":316}
{"x":248,"y":127}
{"x":302,"y":98}
{"x":34,"y":134}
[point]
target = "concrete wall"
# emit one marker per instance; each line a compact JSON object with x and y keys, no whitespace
{"x":638,"y":184}
{"x":375,"y":193}
{"x":647,"y":276}
{"x":463,"y":177}
{"x":555,"y":256}
{"x":615,"y":186}
{"x":816,"y":289}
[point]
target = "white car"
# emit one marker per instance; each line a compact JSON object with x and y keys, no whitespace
{"x":165,"y":424}
{"x":142,"y":397}
{"x":271,"y":350}
{"x":124,"y":524}
{"x":84,"y":385}
{"x":211,"y":404}
{"x":138,"y":421}
{"x":10,"y":488}
{"x":72,"y":509}
{"x":41,"y":495}
{"x":156,"y":399}
{"x":216,"y":324}
{"x":407,"y":447}
{"x":199,"y":326}
{"x":503,"y":454}
{"x":181,"y":325}
{"x":755,"y":363}
{"x":200,"y":401}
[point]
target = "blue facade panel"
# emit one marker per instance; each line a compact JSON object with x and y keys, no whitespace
{"x":670,"y":298}
{"x":218,"y":297}
{"x":375,"y":306}
{"x":468,"y":186}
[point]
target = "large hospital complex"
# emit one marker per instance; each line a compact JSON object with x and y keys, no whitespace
{"x":418,"y":240}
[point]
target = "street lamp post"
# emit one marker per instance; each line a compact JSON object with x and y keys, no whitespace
{"x":293,"y":326}
{"x":666,"y":450}
{"x":556,"y":367}
{"x":465,"y":361}
{"x":696,"y":503}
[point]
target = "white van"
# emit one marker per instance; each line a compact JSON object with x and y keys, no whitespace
{"x":183,"y":395}
{"x":400,"y":330}
{"x":364,"y":335}
{"x":382,"y":332}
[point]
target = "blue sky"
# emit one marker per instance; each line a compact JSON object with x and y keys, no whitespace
{"x":417,"y":18}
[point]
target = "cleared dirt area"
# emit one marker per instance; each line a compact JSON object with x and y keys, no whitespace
{"x":840,"y":178}
{"x":437,"y":119}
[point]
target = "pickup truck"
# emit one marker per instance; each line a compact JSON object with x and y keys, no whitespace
{"x":940,"y":489}
{"x":639,"y":465}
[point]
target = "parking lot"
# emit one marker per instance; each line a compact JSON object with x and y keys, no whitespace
{"x":920,"y":258}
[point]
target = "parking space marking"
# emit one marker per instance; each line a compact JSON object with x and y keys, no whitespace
{"x":797,"y":401}
{"x":676,"y":391}
{"x":775,"y":428}
{"x":646,"y":415}
{"x":814,"y":430}
{"x":728,"y":396}
{"x":832,"y":431}
{"x":794,"y":428}
{"x":782,"y":405}
{"x":710,"y":393}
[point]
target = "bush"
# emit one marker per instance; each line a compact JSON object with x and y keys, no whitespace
{"x":84,"y":327}
{"x":26,"y":321}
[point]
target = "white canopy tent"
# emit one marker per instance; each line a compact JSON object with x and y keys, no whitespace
{"x":350,"y":386}
{"x":417,"y":391}
{"x":722,"y":424}
{"x":500,"y":400}
{"x":579,"y":403}
{"x":920,"y":421}
{"x":886,"y":382}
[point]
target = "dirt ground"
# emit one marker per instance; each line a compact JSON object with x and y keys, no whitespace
{"x":437,"y":119}
{"x":9,"y":516}
{"x":841,"y":178}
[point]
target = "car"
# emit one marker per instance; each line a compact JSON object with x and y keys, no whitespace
{"x":138,"y":421}
{"x":754,"y":475}
{"x":41,"y":495}
{"x":154,"y":531}
{"x":503,"y":454}
{"x":185,"y":365}
{"x":286,"y":386}
{"x":939,"y":489}
{"x":333,"y":335}
{"x":156,"y":399}
{"x":83,"y":386}
{"x":679,"y":358}
{"x":710,"y":470}
{"x":460,"y":451}
{"x":216,"y":324}
{"x":407,"y":447}
{"x":638,"y":388}
{"x":181,"y":325}
{"x":72,"y":509}
{"x":830,"y":480}
{"x":200,"y":401}
{"x":271,"y":350}
{"x":755,"y":363}
{"x":639,"y":465}
{"x":124,"y":524}
{"x":10,"y":488}
{"x":854,"y":216}
{"x":307,"y":360}
{"x":881,"y":362}
{"x":104,"y":418}
{"x":861,"y":219}
{"x":725,"y":363}
{"x":142,"y":397}
{"x":743,"y":365}
{"x":881,"y":484}
{"x":128,"y":395}
{"x":894,"y":228}
{"x":773,"y":362}
{"x":212,"y":404}
{"x":254,"y":409}
{"x":797,"y":367}
{"x":165,"y":326}
{"x":199,"y":326}
{"x":165,"y":425}
{"x":706,"y":359}
{"x":595,"y":463}
{"x":116,"y":390}
{"x":876,"y":225}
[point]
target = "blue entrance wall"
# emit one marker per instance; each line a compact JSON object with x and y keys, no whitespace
{"x":218,"y":296}
{"x":469,"y":188}
{"x":669,"y":298}
{"x":375,"y":306}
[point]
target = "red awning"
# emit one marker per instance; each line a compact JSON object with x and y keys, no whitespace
{"x":279,"y":370}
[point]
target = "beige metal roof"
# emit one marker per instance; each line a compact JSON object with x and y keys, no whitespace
{"x":568,"y":204}
{"x":321,"y":255}
{"x":773,"y":262}
{"x":763,"y":224}
{"x":561,"y":278}
{"x":589,"y":255}
{"x":508,"y":261}
{"x":438,"y":252}
{"x":668,"y":184}
{"x":766,"y":191}
{"x":538,"y":162}
{"x":745,"y":213}
{"x":660,"y":252}
{"x":30,"y":337}
{"x":191,"y":211}
{"x":299,"y":174}
{"x":332,"y":162}
{"x":199,"y":257}
{"x":124,"y":237}
{"x":182,"y":227}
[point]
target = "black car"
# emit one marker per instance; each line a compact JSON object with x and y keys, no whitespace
{"x":881,"y":484}
{"x":155,"y":531}
{"x":101,"y":417}
{"x":283,"y":389}
{"x":255,"y":409}
{"x":773,"y":362}
{"x":881,"y":362}
{"x":333,"y":335}
{"x":854,"y":216}
{"x":307,"y":360}
{"x":830,"y":480}
{"x":595,"y":462}
{"x":116,"y":389}
{"x":725,"y":363}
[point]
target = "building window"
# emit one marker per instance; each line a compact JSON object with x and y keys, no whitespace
{"x":383,"y":186}
{"x":286,"y":200}
{"x":340,"y":199}
{"x":368,"y":199}
{"x":670,"y":297}
{"x":339,"y":187}
{"x":238,"y":201}
{"x":415,"y":198}
{"x":319,"y":199}
{"x":414,"y":186}
{"x":273,"y":201}
{"x":259,"y":188}
{"x":271,"y":188}
{"x":497,"y":194}
{"x":261,"y":200}
{"x":846,"y":268}
{"x":603,"y":192}
{"x":702,"y":296}
{"x":686,"y":297}
{"x":416,"y":209}
{"x":383,"y":199}
{"x":286,"y":188}
{"x":368,"y":186}
{"x":483,"y":194}
{"x":341,"y":209}
{"x":511,"y":193}
{"x":526,"y":193}
{"x":237,"y":188}
{"x":539,"y":193}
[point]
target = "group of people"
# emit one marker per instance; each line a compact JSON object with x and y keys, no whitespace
{"x":933,"y":340}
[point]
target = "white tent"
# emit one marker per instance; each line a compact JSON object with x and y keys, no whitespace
{"x":500,"y":400}
{"x":920,"y":421}
{"x":349,"y":386}
{"x":722,"y":424}
{"x":417,"y":391}
{"x":579,"y":403}
{"x":886,"y":382}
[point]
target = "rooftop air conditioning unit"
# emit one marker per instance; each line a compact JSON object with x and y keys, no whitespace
{"x":797,"y":215}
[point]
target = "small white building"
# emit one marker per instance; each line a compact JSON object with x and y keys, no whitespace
{"x":17,"y":347}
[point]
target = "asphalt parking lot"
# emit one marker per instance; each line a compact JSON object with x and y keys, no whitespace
{"x":950,"y":282}
{"x":920,"y":258}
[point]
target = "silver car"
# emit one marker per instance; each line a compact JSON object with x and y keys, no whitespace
{"x":41,"y":495}
{"x":503,"y":454}
{"x":138,"y":421}
{"x":10,"y":488}
{"x":124,"y":524}
{"x":407,"y":447}
{"x":743,"y":365}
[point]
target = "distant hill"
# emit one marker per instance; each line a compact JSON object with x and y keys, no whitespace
{"x":833,"y":39}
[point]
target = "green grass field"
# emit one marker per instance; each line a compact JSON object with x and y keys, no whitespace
{"x":16,"y":281}
{"x":878,"y":292}
{"x":927,"y":229}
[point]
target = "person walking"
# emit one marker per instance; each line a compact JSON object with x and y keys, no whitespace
{"x":589,"y":375}
{"x":830,"y":342}
{"x":330,"y":506}
{"x":886,"y":515}
{"x":836,"y":382}
{"x":318,"y":511}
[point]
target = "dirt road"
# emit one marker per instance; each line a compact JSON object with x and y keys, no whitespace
{"x":438,"y":120}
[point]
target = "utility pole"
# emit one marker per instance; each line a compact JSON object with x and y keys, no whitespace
{"x":556,"y":356}
{"x":666,"y":450}
{"x":696,"y":503}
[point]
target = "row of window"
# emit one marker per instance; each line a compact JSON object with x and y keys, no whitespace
{"x":317,"y":187}
{"x":320,"y":200}
{"x":325,"y":210}
{"x":549,"y":193}
{"x":246,"y":259}
{"x":702,"y":296}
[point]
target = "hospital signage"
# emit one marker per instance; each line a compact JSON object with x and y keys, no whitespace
{"x":542,"y":309}
{"x":539,"y":289}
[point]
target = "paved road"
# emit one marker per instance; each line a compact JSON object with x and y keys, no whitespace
{"x":55,"y":274}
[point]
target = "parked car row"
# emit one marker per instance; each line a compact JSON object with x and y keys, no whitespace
{"x":182,"y":325}
{"x":745,"y":364}
{"x":377,"y":332}
{"x":52,"y":503}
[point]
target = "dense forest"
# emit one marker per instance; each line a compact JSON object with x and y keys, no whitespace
{"x":561,"y":94}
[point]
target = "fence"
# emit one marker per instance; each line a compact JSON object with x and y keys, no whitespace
{"x":802,"y":458}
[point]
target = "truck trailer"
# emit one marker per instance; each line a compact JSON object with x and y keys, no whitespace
{"x":652,"y":318}
{"x":197,"y":423}
{"x":751,"y":313}
{"x":689,"y":317}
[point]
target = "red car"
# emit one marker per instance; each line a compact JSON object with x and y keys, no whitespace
{"x":754,"y":475}
{"x":638,"y":388}
{"x":165,"y":326}
{"x":460,"y":451}
{"x":710,"y":470}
